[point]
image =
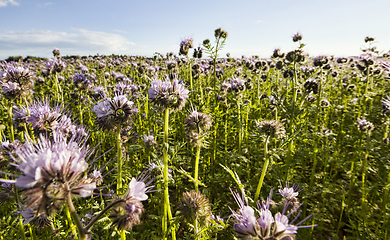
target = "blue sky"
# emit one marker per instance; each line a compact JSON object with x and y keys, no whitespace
{"x":87,"y":27}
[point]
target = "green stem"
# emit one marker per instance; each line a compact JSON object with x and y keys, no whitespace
{"x":75,"y":217}
{"x":167,"y":211}
{"x":197,"y":166}
{"x":11,"y":124}
{"x":21,"y":226}
{"x":71,"y":225}
{"x":120,"y":163}
{"x":265,"y":166}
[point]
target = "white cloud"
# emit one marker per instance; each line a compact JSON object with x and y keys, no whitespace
{"x":4,"y":3}
{"x":41,"y":5}
{"x":76,"y":42}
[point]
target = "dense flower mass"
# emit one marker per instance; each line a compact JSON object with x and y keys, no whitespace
{"x":168,"y":94}
{"x":52,"y":169}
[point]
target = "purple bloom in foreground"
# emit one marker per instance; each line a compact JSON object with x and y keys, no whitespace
{"x":52,"y":169}
{"x":266,"y":226}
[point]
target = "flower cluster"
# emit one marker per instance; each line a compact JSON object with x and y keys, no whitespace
{"x":364,"y":125}
{"x":53,"y":169}
{"x":196,"y":125}
{"x":131,"y":208}
{"x":271,"y":128}
{"x":168,"y":94}
{"x":16,"y":81}
{"x":46,"y":119}
{"x":115,"y":112}
{"x":266,"y":225}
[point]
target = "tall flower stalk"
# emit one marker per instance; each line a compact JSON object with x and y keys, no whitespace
{"x":167,"y":96}
{"x":270,"y":129}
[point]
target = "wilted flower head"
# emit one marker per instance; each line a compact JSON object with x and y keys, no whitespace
{"x":52,"y":169}
{"x":168,"y":95}
{"x":271,"y":128}
{"x":364,"y":125}
{"x":115,"y":112}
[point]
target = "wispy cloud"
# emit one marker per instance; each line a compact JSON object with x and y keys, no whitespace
{"x":76,"y":42}
{"x":41,"y":5}
{"x":4,"y":3}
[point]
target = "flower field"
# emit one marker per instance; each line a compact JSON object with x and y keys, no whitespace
{"x":196,"y":145}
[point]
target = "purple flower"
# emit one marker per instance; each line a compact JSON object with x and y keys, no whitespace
{"x":115,"y":112}
{"x":168,"y":95}
{"x":138,"y":188}
{"x":52,"y":169}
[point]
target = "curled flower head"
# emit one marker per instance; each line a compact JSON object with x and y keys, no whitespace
{"x":149,"y":141}
{"x":198,"y":122}
{"x":194,"y":205}
{"x":16,"y":81}
{"x":185,"y":46}
{"x":364,"y":125}
{"x":386,"y":106}
{"x":311,"y":85}
{"x":115,"y":112}
{"x":168,"y":94}
{"x":52,"y":169}
{"x":271,"y":128}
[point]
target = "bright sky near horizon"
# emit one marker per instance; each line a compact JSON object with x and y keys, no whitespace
{"x":143,"y":27}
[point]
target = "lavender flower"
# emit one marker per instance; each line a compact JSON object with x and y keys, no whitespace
{"x":364,"y":125}
{"x":168,"y":95}
{"x":52,"y":169}
{"x":16,"y":81}
{"x":47,"y":119}
{"x":128,"y":213}
{"x":115,"y":112}
{"x":266,"y":226}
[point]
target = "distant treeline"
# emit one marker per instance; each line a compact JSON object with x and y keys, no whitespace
{"x":26,"y":59}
